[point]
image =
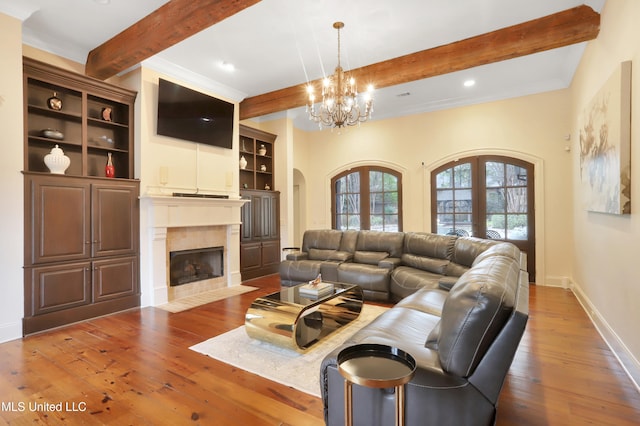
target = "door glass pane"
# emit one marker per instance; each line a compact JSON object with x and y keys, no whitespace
{"x":517,"y":227}
{"x":377,"y":222}
{"x":375,"y":181}
{"x":353,"y":182}
{"x":462,"y":200}
{"x":445,"y":201}
{"x":376,"y":203}
{"x":495,"y":174}
{"x":495,"y":201}
{"x":496,"y":226}
{"x":444,"y":223}
{"x":444,"y":179}
{"x":354,"y":223}
{"x":353,"y":203}
{"x":517,"y":200}
{"x":391,"y":203}
{"x":390,"y":182}
{"x":462,"y":175}
{"x":516,"y":175}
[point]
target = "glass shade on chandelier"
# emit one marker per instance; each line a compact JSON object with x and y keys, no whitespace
{"x":339,"y":106}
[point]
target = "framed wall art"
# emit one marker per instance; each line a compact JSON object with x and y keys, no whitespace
{"x":605,"y":145}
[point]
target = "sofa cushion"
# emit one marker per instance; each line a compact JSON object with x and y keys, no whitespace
{"x":320,"y":254}
{"x":475,"y":311}
{"x":435,"y":265}
{"x":374,"y":281}
{"x":445,"y":283}
{"x":499,"y":249}
{"x":429,"y":245}
{"x":427,"y":300}
{"x":406,"y":280}
{"x":466,"y":249}
{"x":326,"y":239}
{"x":389,"y":242}
{"x":300,"y":270}
{"x":455,"y":269}
{"x":369,"y":257}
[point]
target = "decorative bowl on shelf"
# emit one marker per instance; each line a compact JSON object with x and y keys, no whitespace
{"x":56,"y":161}
{"x":52,"y":134}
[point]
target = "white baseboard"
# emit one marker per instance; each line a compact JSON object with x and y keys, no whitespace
{"x":10,"y":331}
{"x":628,"y":362}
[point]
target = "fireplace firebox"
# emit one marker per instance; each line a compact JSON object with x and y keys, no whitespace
{"x":187,"y":266}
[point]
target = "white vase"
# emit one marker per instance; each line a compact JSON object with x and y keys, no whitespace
{"x":56,"y":161}
{"x":243,"y":162}
{"x":262,"y":150}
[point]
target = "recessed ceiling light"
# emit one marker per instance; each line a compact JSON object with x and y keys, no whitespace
{"x":227,"y":66}
{"x":103,"y":2}
{"x":469,"y":83}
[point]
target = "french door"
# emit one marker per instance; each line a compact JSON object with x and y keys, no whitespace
{"x":486,"y":197}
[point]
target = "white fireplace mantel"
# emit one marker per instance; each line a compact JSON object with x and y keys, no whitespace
{"x":160,"y":212}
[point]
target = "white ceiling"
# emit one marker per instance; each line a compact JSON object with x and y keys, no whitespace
{"x":281,"y":43}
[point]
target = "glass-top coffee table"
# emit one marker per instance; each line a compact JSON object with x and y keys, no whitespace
{"x":290,"y":320}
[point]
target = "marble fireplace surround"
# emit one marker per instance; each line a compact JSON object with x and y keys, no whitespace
{"x":168,"y":223}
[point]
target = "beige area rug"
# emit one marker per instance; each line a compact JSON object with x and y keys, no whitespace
{"x":300,"y":371}
{"x":189,"y":302}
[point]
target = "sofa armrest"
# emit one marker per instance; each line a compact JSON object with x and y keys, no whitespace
{"x":298,"y":255}
{"x":390,"y":263}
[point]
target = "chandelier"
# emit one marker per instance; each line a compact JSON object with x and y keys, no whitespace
{"x":339,"y":106}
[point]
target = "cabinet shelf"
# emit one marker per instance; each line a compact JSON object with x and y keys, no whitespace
{"x":251,"y":143}
{"x":36,"y":109}
{"x":95,"y":118}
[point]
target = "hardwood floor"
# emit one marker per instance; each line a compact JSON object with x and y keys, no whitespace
{"x":135,"y":368}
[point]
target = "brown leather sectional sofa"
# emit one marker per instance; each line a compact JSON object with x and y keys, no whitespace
{"x":462,"y":307}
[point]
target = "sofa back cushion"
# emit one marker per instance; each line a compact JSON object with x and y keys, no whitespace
{"x":466,"y":249}
{"x":473,"y":314}
{"x":499,"y":249}
{"x":437,"y":266}
{"x":378,"y":241}
{"x":321,"y":243}
{"x":429,"y":245}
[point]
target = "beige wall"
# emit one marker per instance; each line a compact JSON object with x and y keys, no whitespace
{"x":189,"y":166}
{"x":532,"y":128}
{"x":11,"y":161}
{"x":607,"y":246}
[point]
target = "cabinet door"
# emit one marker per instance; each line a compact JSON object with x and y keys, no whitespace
{"x":271,"y":215}
{"x":60,"y":226}
{"x":113,"y":278}
{"x":250,"y":256}
{"x":246,"y":217}
{"x":57,"y":287}
{"x":115,"y":219}
{"x":271,"y":253}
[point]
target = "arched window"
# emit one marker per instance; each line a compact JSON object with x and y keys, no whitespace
{"x":368,"y":197}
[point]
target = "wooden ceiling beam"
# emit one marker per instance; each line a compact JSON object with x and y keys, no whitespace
{"x":550,"y":32}
{"x":170,"y":24}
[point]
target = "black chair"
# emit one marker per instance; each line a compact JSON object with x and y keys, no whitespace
{"x":458,"y":232}
{"x":493,"y":235}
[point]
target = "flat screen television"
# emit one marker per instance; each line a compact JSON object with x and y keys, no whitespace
{"x":194,"y":116}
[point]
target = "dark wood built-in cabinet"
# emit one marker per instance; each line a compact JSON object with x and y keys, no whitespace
{"x":260,"y":230}
{"x":81,"y":228}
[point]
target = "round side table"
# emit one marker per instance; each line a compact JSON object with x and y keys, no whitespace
{"x":375,"y":366}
